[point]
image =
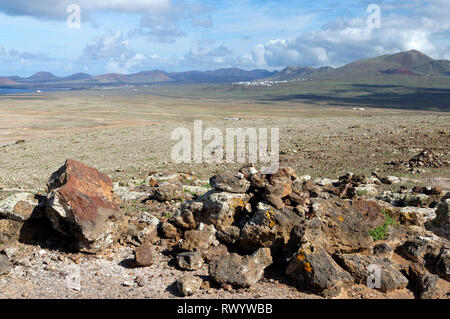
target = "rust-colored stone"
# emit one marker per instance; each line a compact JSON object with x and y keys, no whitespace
{"x":81,"y":204}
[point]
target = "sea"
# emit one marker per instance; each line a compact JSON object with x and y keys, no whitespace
{"x":18,"y":91}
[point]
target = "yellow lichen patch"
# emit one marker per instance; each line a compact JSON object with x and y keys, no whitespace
{"x":300,"y":256}
{"x":272,"y":224}
{"x":341,"y":219}
{"x":237,"y":202}
{"x":307,"y":267}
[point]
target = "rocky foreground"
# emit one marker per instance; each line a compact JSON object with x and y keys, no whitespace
{"x":229,"y":234}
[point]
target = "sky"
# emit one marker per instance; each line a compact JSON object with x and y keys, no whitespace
{"x":128,"y":36}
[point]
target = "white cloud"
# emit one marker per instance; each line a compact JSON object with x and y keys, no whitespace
{"x":206,"y":53}
{"x":343,"y":41}
{"x":115,"y":50}
{"x":159,"y":19}
{"x":56,"y":9}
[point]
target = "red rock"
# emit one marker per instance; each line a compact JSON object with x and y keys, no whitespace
{"x":81,"y":204}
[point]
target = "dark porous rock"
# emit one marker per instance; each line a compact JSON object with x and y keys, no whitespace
{"x":199,"y":239}
{"x":314,"y":269}
{"x":188,"y":284}
{"x":169,"y":191}
{"x":229,"y":182}
{"x":274,"y":200}
{"x":214,"y":251}
{"x":358,"y":266}
{"x":169,"y":231}
{"x":269,"y":228}
{"x":423,"y":281}
{"x":342,"y":228}
{"x":423,"y":249}
{"x":145,"y":255}
{"x":81,"y":205}
{"x":441,"y":224}
{"x":240,"y":271}
{"x":443,"y":264}
{"x":229,"y":234}
{"x":383,"y":250}
{"x":190,"y":260}
{"x":5,"y":265}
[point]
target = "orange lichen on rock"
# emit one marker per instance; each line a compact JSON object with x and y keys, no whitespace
{"x":307,"y":267}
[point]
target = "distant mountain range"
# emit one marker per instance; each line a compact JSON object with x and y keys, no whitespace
{"x":411,"y":63}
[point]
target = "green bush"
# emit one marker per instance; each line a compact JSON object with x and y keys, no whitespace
{"x":379,"y":233}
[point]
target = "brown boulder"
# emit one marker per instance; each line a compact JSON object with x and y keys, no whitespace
{"x":145,"y":255}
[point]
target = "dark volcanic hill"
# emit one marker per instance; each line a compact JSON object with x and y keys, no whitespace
{"x":403,"y":63}
{"x":7,"y":82}
{"x":221,"y":76}
{"x":411,"y":63}
{"x":41,"y":77}
{"x":77,"y":76}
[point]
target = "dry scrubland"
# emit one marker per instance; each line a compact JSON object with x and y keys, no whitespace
{"x":126,"y":134}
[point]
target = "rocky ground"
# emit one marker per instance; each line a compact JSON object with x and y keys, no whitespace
{"x":141,"y":226}
{"x":239,"y":234}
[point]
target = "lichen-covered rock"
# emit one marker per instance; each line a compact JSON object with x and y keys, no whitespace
{"x":403,"y":200}
{"x":81,"y":204}
{"x":240,"y":271}
{"x":190,"y":260}
{"x":269,"y":228}
{"x":416,"y":215}
{"x":125,"y":194}
{"x":169,"y":191}
{"x":188,"y":284}
{"x":358,"y":266}
{"x":313,"y":268}
{"x":198,"y":240}
{"x":221,"y":208}
{"x":341,"y":228}
{"x":19,"y":207}
{"x":229,"y":182}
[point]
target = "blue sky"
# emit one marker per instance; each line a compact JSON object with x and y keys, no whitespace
{"x":126,"y":36}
